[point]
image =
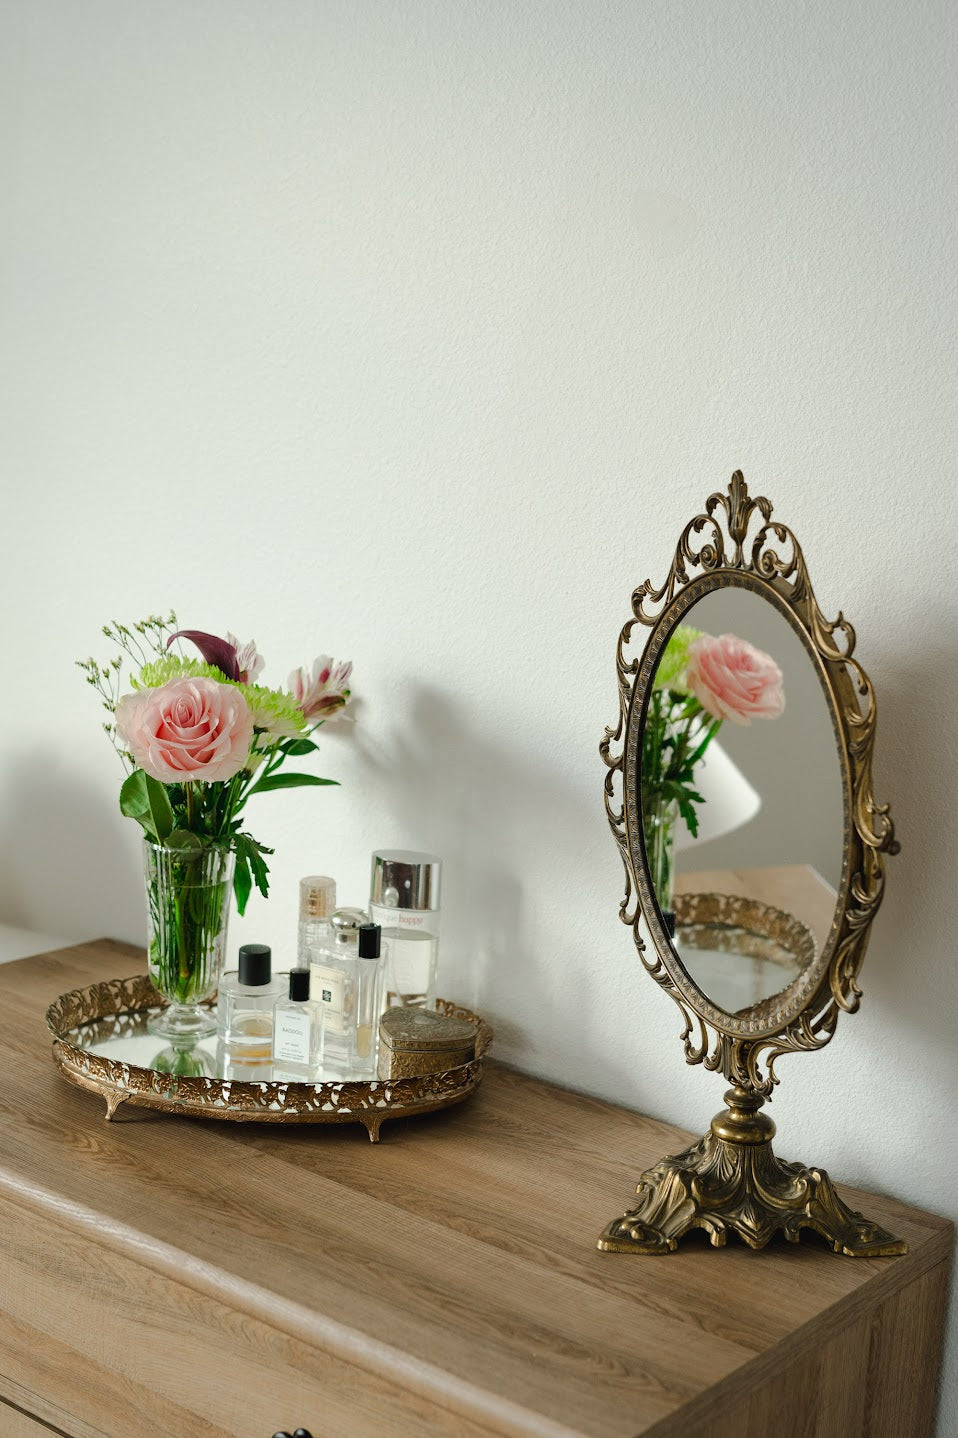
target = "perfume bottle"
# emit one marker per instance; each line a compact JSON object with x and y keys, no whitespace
{"x":404,"y":900}
{"x":333,"y":985}
{"x":238,"y":1063}
{"x":244,"y":1009}
{"x":317,"y":900}
{"x":296,"y":1031}
{"x":364,"y":1038}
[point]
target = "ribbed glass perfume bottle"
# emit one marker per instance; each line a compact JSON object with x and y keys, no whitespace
{"x":317,"y":900}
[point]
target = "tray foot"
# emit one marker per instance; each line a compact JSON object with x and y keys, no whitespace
{"x":113,"y":1101}
{"x":373,"y":1123}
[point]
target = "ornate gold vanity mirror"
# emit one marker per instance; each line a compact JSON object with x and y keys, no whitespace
{"x":740,"y":797}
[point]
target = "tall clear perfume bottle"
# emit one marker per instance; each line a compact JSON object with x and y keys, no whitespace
{"x":333,"y":986}
{"x":296,"y":1031}
{"x":364,"y":1038}
{"x":404,"y":900}
{"x":317,"y":900}
{"x":244,"y":1009}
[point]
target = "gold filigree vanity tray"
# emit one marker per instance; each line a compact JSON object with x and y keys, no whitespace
{"x":101,"y":1044}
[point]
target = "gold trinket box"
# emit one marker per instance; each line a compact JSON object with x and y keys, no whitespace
{"x":413,"y":1042}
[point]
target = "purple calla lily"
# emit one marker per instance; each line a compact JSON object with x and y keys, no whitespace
{"x":214,"y":650}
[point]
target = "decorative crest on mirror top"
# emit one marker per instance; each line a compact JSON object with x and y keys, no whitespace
{"x":735,"y":542}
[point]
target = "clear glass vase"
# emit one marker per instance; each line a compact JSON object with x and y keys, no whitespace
{"x":188,"y":894}
{"x":659,"y":821}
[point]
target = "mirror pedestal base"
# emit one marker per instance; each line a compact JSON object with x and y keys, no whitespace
{"x":732,"y":1182}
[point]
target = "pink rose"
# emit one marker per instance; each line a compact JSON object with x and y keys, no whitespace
{"x":187,"y":729}
{"x":324,"y":691}
{"x":732,"y":679}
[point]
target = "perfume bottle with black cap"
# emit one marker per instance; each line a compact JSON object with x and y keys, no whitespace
{"x":333,"y":988}
{"x":244,"y":1009}
{"x":296,"y":1031}
{"x":364,"y":1037}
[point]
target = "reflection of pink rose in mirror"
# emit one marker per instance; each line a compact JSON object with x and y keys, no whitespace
{"x":732,"y":679}
{"x":187,"y":729}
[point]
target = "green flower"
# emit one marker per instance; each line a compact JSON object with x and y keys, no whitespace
{"x":274,"y":712}
{"x":173,"y":666}
{"x":671,"y":671}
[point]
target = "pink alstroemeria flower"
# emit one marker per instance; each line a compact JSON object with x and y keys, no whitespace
{"x":322,"y":692}
{"x":239,"y":662}
{"x":250,"y":662}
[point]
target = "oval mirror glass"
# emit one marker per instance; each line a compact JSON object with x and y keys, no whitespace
{"x":742,"y":800}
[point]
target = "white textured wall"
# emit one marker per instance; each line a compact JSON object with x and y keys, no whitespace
{"x":415,"y":332}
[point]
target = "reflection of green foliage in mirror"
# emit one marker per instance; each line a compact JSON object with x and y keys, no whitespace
{"x":670,"y":673}
{"x":677,"y":733}
{"x":699,"y":681}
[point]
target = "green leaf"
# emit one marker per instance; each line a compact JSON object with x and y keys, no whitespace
{"x":250,"y":868}
{"x":710,"y":733}
{"x":146,"y":800}
{"x":287,"y":781}
{"x":298,"y":747}
{"x":260,"y":872}
{"x":688,"y":814}
{"x":242,"y":882}
{"x":184,"y":840}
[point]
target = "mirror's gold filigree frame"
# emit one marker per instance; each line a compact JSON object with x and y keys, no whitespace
{"x":736,"y":543}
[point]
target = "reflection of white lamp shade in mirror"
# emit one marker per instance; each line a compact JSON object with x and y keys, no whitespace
{"x":730,"y":800}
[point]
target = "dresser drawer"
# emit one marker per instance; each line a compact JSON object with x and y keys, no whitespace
{"x":105,"y":1347}
{"x":14,"y":1424}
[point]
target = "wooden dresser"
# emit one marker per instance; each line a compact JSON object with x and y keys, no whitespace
{"x":165,"y":1278}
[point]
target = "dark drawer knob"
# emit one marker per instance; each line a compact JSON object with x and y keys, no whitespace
{"x":298,"y":1433}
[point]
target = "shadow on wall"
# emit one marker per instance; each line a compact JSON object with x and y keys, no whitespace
{"x":66,"y":865}
{"x":471,"y":799}
{"x":909,"y":966}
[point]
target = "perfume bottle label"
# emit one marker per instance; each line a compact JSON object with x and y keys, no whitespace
{"x":292,"y":1035}
{"x":327,"y":987}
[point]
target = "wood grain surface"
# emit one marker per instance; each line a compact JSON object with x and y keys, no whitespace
{"x":166,"y":1276}
{"x":15,"y":1424}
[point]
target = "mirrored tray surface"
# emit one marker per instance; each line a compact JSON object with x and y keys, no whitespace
{"x":742,"y":953}
{"x":101,"y":1044}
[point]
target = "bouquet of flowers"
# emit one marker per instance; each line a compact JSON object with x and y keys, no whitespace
{"x":701,"y":681}
{"x":200,"y":737}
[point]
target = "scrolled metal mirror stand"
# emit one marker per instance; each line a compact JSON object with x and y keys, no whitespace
{"x":731,"y":1181}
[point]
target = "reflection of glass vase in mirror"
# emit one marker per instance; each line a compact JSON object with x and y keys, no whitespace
{"x":185,"y":1060}
{"x":659,"y":822}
